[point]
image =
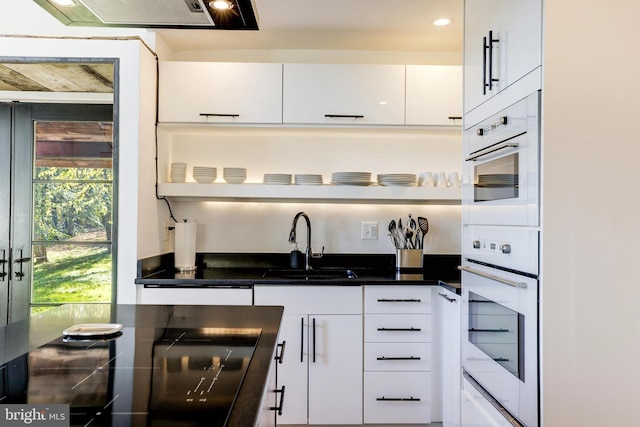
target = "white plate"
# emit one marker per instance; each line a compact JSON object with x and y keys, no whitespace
{"x":92,"y":329}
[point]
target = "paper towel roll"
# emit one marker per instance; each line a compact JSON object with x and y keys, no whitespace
{"x":185,"y":246}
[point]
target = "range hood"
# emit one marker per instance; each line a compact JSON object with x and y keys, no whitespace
{"x":191,"y":14}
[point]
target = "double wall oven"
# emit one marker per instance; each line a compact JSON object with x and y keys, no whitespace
{"x":500,"y":267}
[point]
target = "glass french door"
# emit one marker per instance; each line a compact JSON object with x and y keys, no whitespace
{"x":56,"y":206}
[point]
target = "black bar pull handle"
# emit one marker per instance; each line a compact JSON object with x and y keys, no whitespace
{"x":446,"y":297}
{"x":280,"y":357}
{"x":302,"y":340}
{"x":219,"y":115}
{"x":488,"y":330}
{"x":399,"y":399}
{"x":484,"y":65}
{"x":314,"y":340}
{"x":491,"y":42}
{"x":412,"y":329}
{"x":344,"y":116}
{"x":281,"y":405}
{"x":398,"y":358}
{"x":399,"y":300}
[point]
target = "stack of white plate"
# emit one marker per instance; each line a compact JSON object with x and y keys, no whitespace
{"x":308,"y":179}
{"x":204,"y":174}
{"x":399,"y":179}
{"x":351,"y":178}
{"x":234,"y":175}
{"x":178,"y":172}
{"x":277,"y":178}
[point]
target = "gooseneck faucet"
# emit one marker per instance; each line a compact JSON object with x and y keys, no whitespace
{"x":292,"y":238}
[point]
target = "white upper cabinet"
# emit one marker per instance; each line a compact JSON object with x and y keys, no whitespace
{"x":502,"y":44}
{"x":219,"y":92}
{"x":344,"y":94}
{"x":434,"y":95}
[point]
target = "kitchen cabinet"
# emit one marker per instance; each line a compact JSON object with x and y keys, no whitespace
{"x":220,"y":92}
{"x":343,"y":94}
{"x":272,"y":396}
{"x":502,"y":45}
{"x":195,"y":296}
{"x":322,"y":368}
{"x":434,"y":95}
{"x":397,"y":355}
{"x":447,"y":311}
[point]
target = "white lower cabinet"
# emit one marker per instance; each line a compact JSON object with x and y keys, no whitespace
{"x":322,"y":368}
{"x":447,"y":312}
{"x":477,"y":411}
{"x":397,"y":355}
{"x":195,"y":296}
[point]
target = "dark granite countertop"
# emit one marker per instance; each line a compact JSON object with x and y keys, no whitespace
{"x":246,"y":270}
{"x":21,"y":337}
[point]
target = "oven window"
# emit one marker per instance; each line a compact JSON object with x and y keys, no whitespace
{"x":496,"y":179}
{"x":498,"y":331}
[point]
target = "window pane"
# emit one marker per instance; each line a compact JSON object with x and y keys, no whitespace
{"x":71,"y":273}
{"x":72,"y":211}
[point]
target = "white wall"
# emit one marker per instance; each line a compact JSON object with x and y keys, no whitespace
{"x":591,"y":211}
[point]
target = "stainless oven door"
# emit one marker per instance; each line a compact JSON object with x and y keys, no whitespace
{"x":501,"y":167}
{"x":500,"y":336}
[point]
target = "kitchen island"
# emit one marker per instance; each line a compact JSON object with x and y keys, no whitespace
{"x":144,"y":371}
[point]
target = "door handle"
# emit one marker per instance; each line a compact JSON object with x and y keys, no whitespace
{"x":301,"y":339}
{"x":281,"y":405}
{"x":314,"y":340}
{"x":491,"y":41}
{"x":20,"y":260}
{"x":3,"y":263}
{"x":280,"y":357}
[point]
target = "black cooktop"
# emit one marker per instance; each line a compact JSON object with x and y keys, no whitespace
{"x":138,"y":377}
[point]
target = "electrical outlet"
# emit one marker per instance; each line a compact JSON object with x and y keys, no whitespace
{"x":369,"y":230}
{"x":165,"y":228}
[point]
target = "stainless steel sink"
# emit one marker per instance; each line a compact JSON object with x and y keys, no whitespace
{"x":322,"y":274}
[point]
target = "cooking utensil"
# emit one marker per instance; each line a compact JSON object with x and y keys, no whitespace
{"x":423,"y":223}
{"x":393,"y":232}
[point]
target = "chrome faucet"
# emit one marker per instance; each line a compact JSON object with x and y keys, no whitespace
{"x":308,"y":253}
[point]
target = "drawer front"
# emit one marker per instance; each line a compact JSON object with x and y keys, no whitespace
{"x":195,"y":296}
{"x":307,"y":299}
{"x":397,"y":328}
{"x":397,"y":356}
{"x":397,"y":299}
{"x":397,"y":397}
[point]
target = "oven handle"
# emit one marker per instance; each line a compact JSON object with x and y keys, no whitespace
{"x":492,"y":277}
{"x":492,"y":149}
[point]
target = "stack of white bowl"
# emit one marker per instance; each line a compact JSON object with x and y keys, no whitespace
{"x":178,"y":172}
{"x":277,"y":178}
{"x":234,"y":175}
{"x":308,"y":179}
{"x":204,"y":174}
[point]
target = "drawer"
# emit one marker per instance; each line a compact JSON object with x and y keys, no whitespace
{"x":305,"y":299}
{"x":397,"y":299}
{"x":397,"y":356}
{"x":397,"y":397}
{"x":397,"y":328}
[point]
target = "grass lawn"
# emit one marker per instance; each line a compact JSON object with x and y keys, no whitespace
{"x":73,"y":273}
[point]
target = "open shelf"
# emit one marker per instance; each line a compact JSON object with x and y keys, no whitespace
{"x":310,"y":193}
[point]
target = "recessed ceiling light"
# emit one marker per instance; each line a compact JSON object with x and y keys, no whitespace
{"x":221,"y":4}
{"x":64,"y":2}
{"x":442,"y":21}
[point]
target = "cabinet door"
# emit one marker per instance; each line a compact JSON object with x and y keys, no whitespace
{"x":447,"y":308}
{"x":434,"y":95}
{"x":335,"y":369}
{"x":220,"y":92}
{"x":516,"y":29}
{"x":350,"y":94}
{"x":292,"y":372}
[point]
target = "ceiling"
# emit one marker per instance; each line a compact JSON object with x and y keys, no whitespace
{"x":382,"y":25}
{"x":347,"y":25}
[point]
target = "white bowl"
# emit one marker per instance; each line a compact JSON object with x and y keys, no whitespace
{"x":235,"y":179}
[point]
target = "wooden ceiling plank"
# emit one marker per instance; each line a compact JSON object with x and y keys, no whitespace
{"x":19,"y":81}
{"x":61,"y":77}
